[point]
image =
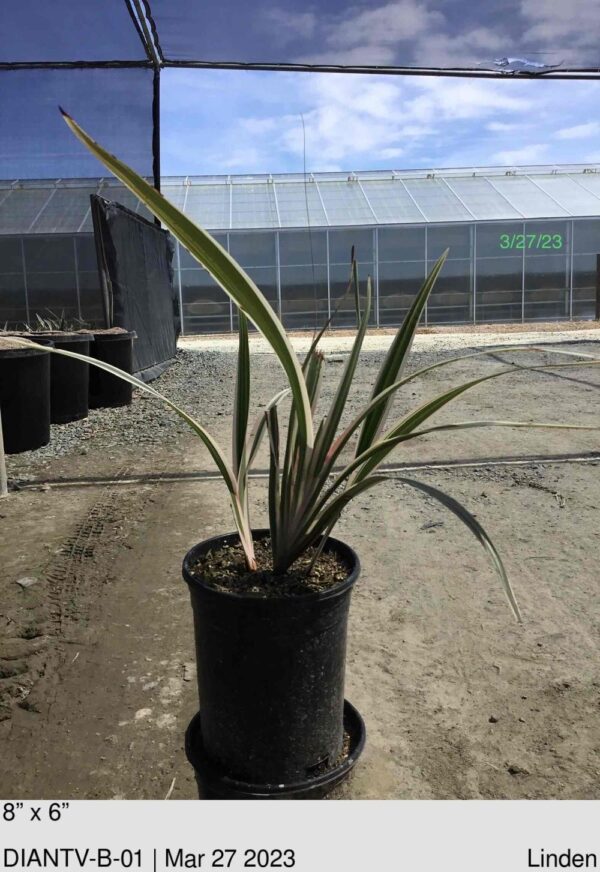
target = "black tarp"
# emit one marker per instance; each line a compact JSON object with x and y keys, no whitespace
{"x":136,"y":277}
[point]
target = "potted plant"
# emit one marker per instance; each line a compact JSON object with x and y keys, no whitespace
{"x":270,"y":605}
{"x":24,"y":394}
{"x":69,"y":382}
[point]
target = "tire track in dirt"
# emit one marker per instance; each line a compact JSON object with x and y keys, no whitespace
{"x":36,"y":640}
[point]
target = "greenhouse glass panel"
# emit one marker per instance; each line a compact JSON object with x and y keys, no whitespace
{"x":253,"y":249}
{"x":205,"y":306}
{"x":584,"y":304}
{"x":302,"y":247}
{"x":345,"y":203}
{"x":86,"y":254}
{"x":295,"y":199}
{"x":525,"y":196}
{"x":11,"y":257}
{"x":483,"y":200}
{"x":575,"y":199}
{"x":398,"y":286}
{"x":90,"y":300}
{"x":457,"y":238}
{"x":53,"y":294}
{"x":436,"y":201}
{"x":584,"y":271}
{"x":391,"y":202}
{"x":49,"y":254}
{"x":87,"y":225}
{"x":547,"y":270}
{"x":20,"y":209}
{"x":304,"y":302}
{"x":589,"y":182}
{"x":452,"y":296}
{"x":401,"y":243}
{"x":253,"y":206}
{"x":500,"y":240}
{"x":341,"y":242}
{"x":209,"y":206}
{"x":65,"y":211}
{"x":342,"y":296}
{"x":499,"y":283}
{"x":586,"y":237}
{"x":586,"y":247}
{"x":13,"y":300}
{"x":13,"y":296}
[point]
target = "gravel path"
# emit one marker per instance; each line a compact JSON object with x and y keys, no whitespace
{"x":202,"y":382}
{"x":379,"y":341}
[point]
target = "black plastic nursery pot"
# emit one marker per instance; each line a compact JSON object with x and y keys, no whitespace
{"x":273,"y":722}
{"x":69,"y":379}
{"x":106,"y":390}
{"x":25,"y":398}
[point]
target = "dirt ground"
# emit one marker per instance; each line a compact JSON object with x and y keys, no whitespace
{"x":97,"y":679}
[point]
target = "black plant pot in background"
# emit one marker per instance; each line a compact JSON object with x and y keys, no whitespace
{"x":271,"y":685}
{"x":25,"y":398}
{"x":106,"y":390}
{"x":69,"y":379}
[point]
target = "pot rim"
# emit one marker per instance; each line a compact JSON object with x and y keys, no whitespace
{"x":24,"y":352}
{"x":99,"y":336}
{"x":332,"y":544}
{"x":59,"y":336}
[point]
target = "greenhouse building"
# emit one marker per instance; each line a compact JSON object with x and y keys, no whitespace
{"x":524,"y":244}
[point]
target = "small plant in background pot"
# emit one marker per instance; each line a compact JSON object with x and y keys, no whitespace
{"x":270,"y":606}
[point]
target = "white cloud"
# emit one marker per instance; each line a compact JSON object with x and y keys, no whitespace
{"x":579,"y":131}
{"x":391,"y":153}
{"x":528,"y":154}
{"x":502,"y":126}
{"x":224,"y":121}
{"x":259,"y":126}
{"x":465,"y":99}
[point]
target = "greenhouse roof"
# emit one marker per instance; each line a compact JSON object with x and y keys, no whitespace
{"x":320,"y":199}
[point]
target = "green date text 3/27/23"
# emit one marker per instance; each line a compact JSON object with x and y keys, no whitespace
{"x":531,"y":240}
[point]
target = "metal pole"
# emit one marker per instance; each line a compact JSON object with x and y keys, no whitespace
{"x":156,"y":130}
{"x":3,"y":477}
{"x":598,"y":287}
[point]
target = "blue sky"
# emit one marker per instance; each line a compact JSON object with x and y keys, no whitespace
{"x":249,"y":122}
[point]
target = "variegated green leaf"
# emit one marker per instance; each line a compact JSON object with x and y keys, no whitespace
{"x":475,"y":527}
{"x":225,"y":270}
